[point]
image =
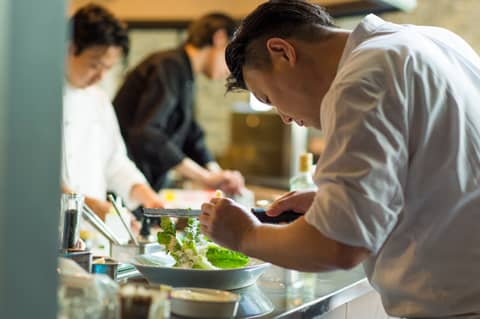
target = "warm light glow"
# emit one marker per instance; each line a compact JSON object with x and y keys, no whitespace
{"x":252,"y":121}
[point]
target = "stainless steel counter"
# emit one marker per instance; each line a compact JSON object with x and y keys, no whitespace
{"x":281,"y":293}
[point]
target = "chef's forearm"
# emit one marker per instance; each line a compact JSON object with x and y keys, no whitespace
{"x":300,"y":246}
{"x":213,"y":166}
{"x":188,"y":168}
{"x":100,"y":207}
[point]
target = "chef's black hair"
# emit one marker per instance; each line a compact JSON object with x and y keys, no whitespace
{"x":93,"y":25}
{"x":276,"y":18}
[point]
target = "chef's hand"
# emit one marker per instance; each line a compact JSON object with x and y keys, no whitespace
{"x":298,"y":201}
{"x":100,"y":207}
{"x":146,"y":196}
{"x":227,"y":223}
{"x":230,"y":182}
{"x":154,"y":202}
{"x":233,"y":182}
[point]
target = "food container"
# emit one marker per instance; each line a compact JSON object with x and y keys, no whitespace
{"x":204,"y":303}
{"x":81,"y":257}
{"x":144,"y":301}
{"x":82,"y":295}
{"x":105,"y":265}
{"x":70,"y":212}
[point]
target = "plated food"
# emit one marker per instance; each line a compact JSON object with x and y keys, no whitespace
{"x":193,"y":250}
{"x":191,"y":260}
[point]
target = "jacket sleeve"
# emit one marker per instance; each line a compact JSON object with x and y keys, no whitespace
{"x":195,"y":146}
{"x":363,"y":169}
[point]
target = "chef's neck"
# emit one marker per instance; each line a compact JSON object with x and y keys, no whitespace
{"x":198,"y":57}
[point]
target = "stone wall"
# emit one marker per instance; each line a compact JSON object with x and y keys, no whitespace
{"x":459,"y":16}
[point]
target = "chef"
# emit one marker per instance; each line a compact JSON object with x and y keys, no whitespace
{"x":155,"y":108}
{"x":398,"y":181}
{"x":94,"y":155}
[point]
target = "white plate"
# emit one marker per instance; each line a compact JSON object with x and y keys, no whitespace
{"x":157,"y":269}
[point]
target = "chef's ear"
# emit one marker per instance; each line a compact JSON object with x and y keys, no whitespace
{"x":281,"y":50}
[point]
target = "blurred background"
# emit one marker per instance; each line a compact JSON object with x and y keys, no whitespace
{"x":241,"y":133}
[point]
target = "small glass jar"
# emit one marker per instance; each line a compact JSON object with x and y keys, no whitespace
{"x":71,"y":208}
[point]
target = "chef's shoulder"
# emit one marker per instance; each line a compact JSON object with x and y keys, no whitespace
{"x":410,"y":51}
{"x":101,"y":102}
{"x":97,"y":95}
{"x":384,"y":65}
{"x":161,"y":62}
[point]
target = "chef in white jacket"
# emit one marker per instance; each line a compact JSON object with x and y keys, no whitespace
{"x":399,"y":179}
{"x":94,"y":155}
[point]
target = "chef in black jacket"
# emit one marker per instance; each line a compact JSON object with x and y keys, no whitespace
{"x":154,"y":107}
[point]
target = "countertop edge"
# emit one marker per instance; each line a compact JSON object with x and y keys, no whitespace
{"x":329,"y":302}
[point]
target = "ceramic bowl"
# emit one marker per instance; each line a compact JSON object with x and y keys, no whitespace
{"x":163,"y":272}
{"x":204,"y":303}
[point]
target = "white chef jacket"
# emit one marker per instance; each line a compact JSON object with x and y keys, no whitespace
{"x":401,"y":169}
{"x":94,"y":154}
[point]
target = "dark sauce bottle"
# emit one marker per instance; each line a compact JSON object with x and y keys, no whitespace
{"x":71,"y":210}
{"x":70,"y":230}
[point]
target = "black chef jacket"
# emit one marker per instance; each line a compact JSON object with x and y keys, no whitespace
{"x":154,"y":107}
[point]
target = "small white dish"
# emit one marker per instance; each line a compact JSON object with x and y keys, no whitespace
{"x":204,"y":303}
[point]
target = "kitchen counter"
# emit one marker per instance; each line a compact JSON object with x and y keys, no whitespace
{"x":282,"y":293}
